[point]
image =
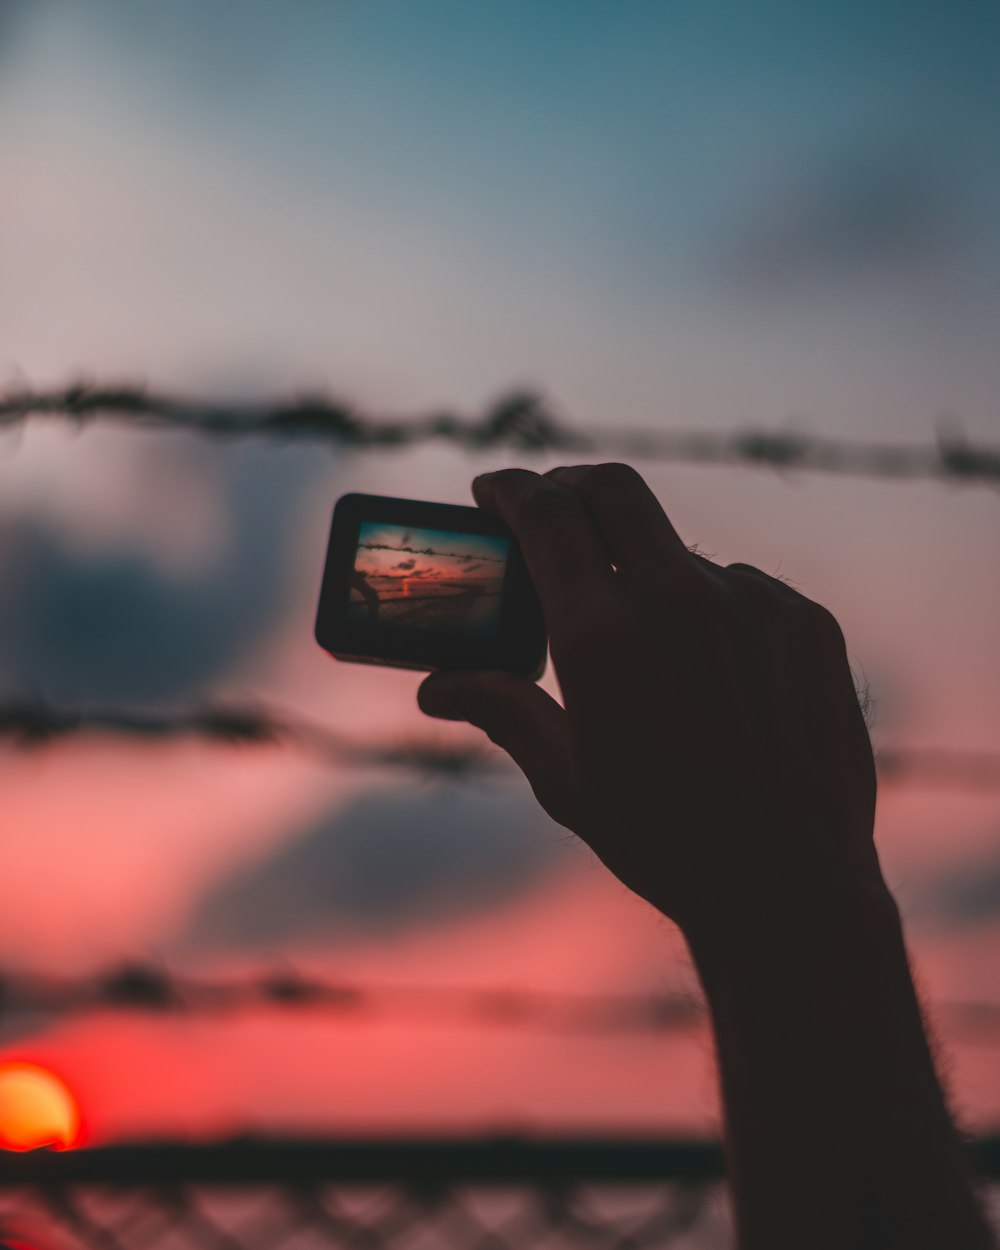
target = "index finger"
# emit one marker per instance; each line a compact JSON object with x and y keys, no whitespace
{"x":565,"y":554}
{"x":639,"y":534}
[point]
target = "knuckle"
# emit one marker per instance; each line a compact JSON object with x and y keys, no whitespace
{"x":505,"y":480}
{"x":614,"y":475}
{"x":764,"y":589}
{"x":822,"y":622}
{"x":749,"y":586}
{"x":569,"y":472}
{"x":543,"y":505}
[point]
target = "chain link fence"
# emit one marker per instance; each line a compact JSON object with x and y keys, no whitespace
{"x":494,"y":1194}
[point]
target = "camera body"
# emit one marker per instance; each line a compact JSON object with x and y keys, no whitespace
{"x":429,"y":586}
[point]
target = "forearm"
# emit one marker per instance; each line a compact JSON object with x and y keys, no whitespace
{"x":836,"y":1127}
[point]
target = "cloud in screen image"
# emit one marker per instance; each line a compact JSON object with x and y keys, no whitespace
{"x":428,"y":579}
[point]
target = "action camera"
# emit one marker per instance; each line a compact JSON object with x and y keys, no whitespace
{"x":427,"y":586}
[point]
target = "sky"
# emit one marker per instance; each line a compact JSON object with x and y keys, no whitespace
{"x":712,"y":216}
{"x":437,"y":555}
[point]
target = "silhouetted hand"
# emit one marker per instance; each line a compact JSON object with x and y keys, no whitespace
{"x":713,"y":753}
{"x":712,"y":750}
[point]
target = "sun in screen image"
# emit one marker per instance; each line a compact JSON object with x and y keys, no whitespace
{"x":427,"y":579}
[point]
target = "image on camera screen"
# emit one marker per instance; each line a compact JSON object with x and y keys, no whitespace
{"x":427,"y":579}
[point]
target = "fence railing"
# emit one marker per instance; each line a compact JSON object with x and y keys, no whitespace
{"x":403,"y":1194}
{"x":375,"y":1195}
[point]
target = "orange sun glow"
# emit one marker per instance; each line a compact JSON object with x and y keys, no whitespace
{"x":36,"y":1109}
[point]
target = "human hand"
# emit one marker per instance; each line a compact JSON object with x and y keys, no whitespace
{"x":711,"y":748}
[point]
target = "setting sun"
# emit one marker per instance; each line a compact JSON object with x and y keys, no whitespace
{"x":36,"y":1109}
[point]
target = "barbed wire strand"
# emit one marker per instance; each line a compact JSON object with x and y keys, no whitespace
{"x":35,"y":723}
{"x":28,"y":725}
{"x":148,"y":987}
{"x":520,"y":420}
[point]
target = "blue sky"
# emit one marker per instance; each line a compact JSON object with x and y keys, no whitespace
{"x":799,"y":194}
{"x":591,"y":124}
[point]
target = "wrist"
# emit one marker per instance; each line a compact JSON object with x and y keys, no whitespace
{"x":794,"y":926}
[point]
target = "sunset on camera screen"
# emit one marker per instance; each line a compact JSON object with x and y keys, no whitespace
{"x":427,"y":579}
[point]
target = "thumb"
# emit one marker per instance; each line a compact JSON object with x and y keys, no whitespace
{"x":519,"y":717}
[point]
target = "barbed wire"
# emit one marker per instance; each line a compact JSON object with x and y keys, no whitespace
{"x":464,"y":557}
{"x":969,"y":770}
{"x":520,"y":420}
{"x":34,"y":723}
{"x":151,"y":988}
{"x":30,"y":724}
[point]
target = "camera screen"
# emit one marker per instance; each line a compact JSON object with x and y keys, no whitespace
{"x":427,"y":579}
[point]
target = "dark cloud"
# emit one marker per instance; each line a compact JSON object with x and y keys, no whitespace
{"x":869,"y":214}
{"x":112,"y":627}
{"x":962,"y":897}
{"x":390,"y":861}
{"x":405,"y":564}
